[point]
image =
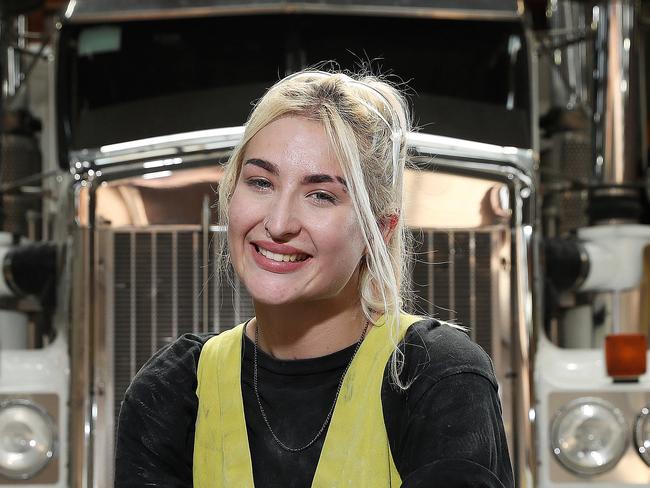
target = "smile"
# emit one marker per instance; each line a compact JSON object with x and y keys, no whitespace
{"x":282,"y":258}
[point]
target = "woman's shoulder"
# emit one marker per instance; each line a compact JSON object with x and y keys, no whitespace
{"x":434,"y":350}
{"x":173,"y":362}
{"x":446,"y":427}
{"x":157,"y":416}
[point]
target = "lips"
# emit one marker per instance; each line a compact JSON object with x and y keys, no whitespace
{"x":278,"y":258}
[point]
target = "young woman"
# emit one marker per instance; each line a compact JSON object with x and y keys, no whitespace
{"x":330,"y":384}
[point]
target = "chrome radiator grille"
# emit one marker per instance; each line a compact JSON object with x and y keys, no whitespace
{"x":452,"y":279}
{"x":164,"y":285}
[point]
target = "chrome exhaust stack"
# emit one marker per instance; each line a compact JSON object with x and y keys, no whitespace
{"x":619,"y":153}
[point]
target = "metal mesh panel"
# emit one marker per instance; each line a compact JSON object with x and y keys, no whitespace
{"x":122,"y":316}
{"x":482,"y":322}
{"x":158,"y":289}
{"x":569,"y":161}
{"x":462,"y":278}
{"x":442,"y":264}
{"x":143,"y":293}
{"x":452,"y":279}
{"x":185,"y":274}
{"x":421,"y":277}
{"x":576,"y":165}
{"x":163,"y":292}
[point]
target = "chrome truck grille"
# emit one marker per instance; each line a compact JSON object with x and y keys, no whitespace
{"x":452,"y":279}
{"x":164,"y":285}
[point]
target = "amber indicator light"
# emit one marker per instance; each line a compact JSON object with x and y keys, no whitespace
{"x":625,"y":355}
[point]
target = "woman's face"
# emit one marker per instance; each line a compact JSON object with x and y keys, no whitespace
{"x":293,"y":233}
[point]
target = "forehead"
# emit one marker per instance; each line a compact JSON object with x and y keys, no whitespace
{"x":294,"y":144}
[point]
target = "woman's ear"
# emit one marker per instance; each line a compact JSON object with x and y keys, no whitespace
{"x":387,"y":225}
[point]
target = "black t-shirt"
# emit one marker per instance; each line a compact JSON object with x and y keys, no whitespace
{"x":445,"y":430}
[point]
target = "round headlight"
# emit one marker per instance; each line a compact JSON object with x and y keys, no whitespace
{"x":588,"y":436}
{"x":642,"y":434}
{"x":26,"y":439}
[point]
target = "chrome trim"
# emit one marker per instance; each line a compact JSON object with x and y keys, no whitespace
{"x":533,"y":77}
{"x":617,"y":113}
{"x":642,"y":451}
{"x":585,"y":266}
{"x":512,"y":176}
{"x":104,"y":371}
{"x":80,"y":474}
{"x":200,"y":140}
{"x":525,"y":460}
{"x":200,"y":145}
{"x":620,"y":312}
{"x":462,"y":149}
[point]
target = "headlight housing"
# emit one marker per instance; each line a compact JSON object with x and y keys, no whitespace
{"x":27,"y":439}
{"x":589,"y":436}
{"x":642,"y":434}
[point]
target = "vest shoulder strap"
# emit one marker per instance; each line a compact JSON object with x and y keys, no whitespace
{"x":221,"y":453}
{"x":356,"y":451}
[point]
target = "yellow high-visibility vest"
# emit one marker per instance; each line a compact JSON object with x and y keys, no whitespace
{"x":356,"y":452}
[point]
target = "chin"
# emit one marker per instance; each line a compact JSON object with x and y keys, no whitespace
{"x":276,"y":300}
{"x":296,"y":289}
{"x":269,"y":294}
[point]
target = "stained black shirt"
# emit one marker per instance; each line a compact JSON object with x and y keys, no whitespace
{"x":445,"y":430}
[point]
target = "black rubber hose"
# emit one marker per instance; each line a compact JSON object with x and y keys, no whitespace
{"x":31,"y":269}
{"x":566,"y":263}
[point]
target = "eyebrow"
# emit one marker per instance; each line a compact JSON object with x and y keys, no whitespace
{"x":312,"y":179}
{"x":307,"y":180}
{"x":261,"y":163}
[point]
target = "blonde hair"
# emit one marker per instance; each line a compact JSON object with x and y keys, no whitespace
{"x":366,"y":121}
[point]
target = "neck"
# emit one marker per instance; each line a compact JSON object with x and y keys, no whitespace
{"x":306,"y":330}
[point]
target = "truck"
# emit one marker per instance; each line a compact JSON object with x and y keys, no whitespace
{"x":530,"y":230}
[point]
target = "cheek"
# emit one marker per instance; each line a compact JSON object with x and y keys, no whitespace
{"x":242,"y":209}
{"x":342,"y":236}
{"x":240,"y":220}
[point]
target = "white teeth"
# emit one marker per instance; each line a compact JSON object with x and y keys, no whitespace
{"x":281,"y":257}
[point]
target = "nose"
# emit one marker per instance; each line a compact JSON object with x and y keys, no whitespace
{"x":282,"y":221}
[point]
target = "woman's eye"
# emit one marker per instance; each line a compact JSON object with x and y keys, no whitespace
{"x":321,"y":196}
{"x":259,"y":183}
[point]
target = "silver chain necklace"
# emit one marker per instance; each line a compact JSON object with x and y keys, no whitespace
{"x":331,"y":410}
